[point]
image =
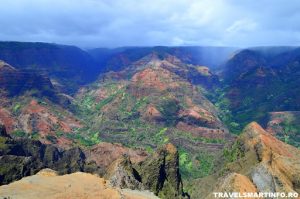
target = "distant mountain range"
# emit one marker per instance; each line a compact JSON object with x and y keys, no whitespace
{"x":73,"y":67}
{"x":68,"y":66}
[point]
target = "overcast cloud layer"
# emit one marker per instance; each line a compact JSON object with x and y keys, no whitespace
{"x":113,"y":23}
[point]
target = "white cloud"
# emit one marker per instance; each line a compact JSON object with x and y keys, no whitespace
{"x":94,"y":23}
{"x":242,"y":25}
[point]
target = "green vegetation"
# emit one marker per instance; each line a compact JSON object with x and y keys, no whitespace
{"x":122,"y":121}
{"x":59,"y":133}
{"x":34,"y":135}
{"x":188,"y":135}
{"x":290,"y":133}
{"x":16,"y":108}
{"x":89,"y":140}
{"x":197,"y":166}
{"x":234,"y":152}
{"x":149,"y":149}
{"x":3,"y":145}
{"x":42,"y":103}
{"x":104,"y":102}
{"x":19,"y":133}
{"x":160,"y":137}
{"x":169,"y":109}
{"x":118,"y":111}
{"x":87,"y":102}
{"x":235,"y":122}
{"x":186,"y":165}
{"x":51,"y":138}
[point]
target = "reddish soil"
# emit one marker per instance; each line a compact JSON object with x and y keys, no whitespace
{"x":8,"y":120}
{"x":202,"y":131}
{"x":105,"y":153}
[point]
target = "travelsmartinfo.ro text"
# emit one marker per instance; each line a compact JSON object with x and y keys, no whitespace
{"x":255,"y":195}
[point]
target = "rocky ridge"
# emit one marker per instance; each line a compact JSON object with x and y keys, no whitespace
{"x":158,"y":173}
{"x":263,"y":164}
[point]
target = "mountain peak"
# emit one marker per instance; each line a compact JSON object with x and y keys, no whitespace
{"x":255,"y":135}
{"x":263,"y":163}
{"x":156,"y":58}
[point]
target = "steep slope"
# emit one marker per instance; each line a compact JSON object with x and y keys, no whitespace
{"x":154,"y":91}
{"x":40,"y":119}
{"x":16,"y":82}
{"x":257,"y":162}
{"x":31,"y":106}
{"x":272,"y":159}
{"x":23,"y":157}
{"x":68,"y":66}
{"x":152,"y":102}
{"x":257,"y":82}
{"x":285,"y":125}
{"x":104,"y":154}
{"x":158,"y":173}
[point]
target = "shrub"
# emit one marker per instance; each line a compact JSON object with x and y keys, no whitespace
{"x":169,"y":109}
{"x":19,"y":133}
{"x":234,"y":152}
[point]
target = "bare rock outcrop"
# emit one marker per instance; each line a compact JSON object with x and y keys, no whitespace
{"x":263,"y":162}
{"x":158,"y":173}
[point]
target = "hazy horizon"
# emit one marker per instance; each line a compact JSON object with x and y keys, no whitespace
{"x":150,"y":46}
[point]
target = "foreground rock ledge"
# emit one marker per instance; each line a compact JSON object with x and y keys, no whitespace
{"x":47,"y":184}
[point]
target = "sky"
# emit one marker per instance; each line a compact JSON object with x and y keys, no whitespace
{"x":115,"y":23}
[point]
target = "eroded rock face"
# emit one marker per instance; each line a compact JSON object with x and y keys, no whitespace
{"x":267,"y":163}
{"x":40,"y":120}
{"x":159,"y":173}
{"x":122,"y":174}
{"x":104,"y":154}
{"x":24,"y":157}
{"x":3,"y":132}
{"x":263,"y":179}
{"x":7,"y":119}
{"x":152,"y":114}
